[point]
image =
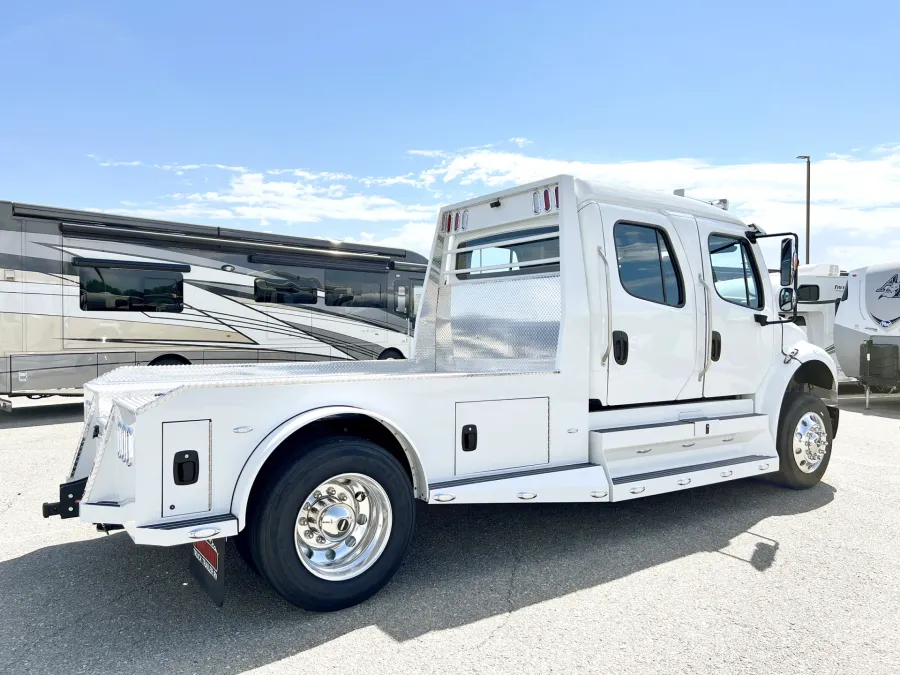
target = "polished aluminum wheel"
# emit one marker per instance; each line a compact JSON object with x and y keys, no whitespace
{"x":343,"y":526}
{"x":810,"y":442}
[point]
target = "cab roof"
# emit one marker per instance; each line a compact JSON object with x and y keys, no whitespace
{"x":625,"y":196}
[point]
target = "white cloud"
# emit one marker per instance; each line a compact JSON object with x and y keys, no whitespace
{"x":855,"y":211}
{"x":521,"y":142}
{"x":110,"y":162}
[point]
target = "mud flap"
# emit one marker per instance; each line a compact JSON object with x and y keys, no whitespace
{"x":206,"y":568}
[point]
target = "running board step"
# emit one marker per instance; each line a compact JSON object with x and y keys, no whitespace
{"x":695,"y":475}
{"x":569,"y":483}
{"x":678,"y":470}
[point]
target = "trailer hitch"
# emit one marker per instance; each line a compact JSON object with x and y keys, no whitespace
{"x":70,"y":495}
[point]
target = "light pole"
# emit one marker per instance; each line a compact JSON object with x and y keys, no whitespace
{"x":806,"y":157}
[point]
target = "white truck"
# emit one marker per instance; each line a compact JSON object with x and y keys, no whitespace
{"x":576,"y":343}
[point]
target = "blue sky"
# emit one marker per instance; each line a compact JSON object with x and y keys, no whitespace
{"x":312,"y":118}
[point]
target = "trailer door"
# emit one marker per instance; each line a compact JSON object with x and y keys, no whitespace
{"x":654,"y":308}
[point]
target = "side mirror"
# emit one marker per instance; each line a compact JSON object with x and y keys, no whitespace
{"x":787,"y":301}
{"x":787,"y":262}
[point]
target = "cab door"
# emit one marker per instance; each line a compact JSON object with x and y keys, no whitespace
{"x":654,"y":355}
{"x":739,"y":348}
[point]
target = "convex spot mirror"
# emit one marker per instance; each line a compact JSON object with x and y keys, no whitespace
{"x":787,"y":266}
{"x":787,"y":301}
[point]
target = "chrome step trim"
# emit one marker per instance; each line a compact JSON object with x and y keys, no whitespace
{"x":178,"y":524}
{"x":503,"y":476}
{"x":675,"y":423}
{"x":650,"y":475}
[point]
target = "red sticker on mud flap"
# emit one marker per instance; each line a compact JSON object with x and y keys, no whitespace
{"x":206,"y":568}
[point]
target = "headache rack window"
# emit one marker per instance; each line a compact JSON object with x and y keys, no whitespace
{"x":533,"y":251}
{"x":112,"y":289}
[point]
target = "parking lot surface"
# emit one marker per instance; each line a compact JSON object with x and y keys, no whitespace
{"x":744,"y":577}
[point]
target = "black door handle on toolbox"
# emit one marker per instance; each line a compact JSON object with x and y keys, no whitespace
{"x":469,"y":437}
{"x":716,"y":350}
{"x":186,"y":467}
{"x":620,"y":347}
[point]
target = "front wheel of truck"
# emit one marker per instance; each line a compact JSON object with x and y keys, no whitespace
{"x":334,"y":524}
{"x":804,"y":440}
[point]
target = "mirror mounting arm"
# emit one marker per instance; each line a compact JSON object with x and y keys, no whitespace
{"x":763,"y":320}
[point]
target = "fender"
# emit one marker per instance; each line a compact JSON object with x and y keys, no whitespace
{"x":257,"y":459}
{"x":770,"y":395}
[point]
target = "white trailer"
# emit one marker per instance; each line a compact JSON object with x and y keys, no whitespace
{"x":820,"y":288}
{"x":576,"y":343}
{"x":867,"y":327}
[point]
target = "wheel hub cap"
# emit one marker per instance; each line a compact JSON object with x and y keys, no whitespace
{"x":810,"y":442}
{"x":336,"y":522}
{"x":343,"y":526}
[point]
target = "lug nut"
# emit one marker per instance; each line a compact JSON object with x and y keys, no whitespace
{"x":331,"y":490}
{"x":342,"y":497}
{"x":308,"y":534}
{"x":301,"y":522}
{"x":320,"y":539}
{"x":317,"y":494}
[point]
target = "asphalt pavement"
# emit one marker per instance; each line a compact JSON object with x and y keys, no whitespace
{"x":742,"y":577}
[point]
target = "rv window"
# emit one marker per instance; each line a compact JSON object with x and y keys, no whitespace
{"x":735,"y":275}
{"x":285,"y":292}
{"x":110,"y":289}
{"x":647,"y":267}
{"x":347,"y":288}
{"x":507,"y":259}
{"x":808,"y":293}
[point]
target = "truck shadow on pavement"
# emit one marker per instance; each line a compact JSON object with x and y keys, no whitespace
{"x":107,"y":606}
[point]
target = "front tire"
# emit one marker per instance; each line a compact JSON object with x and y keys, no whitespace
{"x":804,"y":440}
{"x":333,"y":524}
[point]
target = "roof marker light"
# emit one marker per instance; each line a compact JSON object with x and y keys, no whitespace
{"x":456,"y":221}
{"x":556,"y":195}
{"x":465,"y":220}
{"x":546,"y":199}
{"x":536,"y":199}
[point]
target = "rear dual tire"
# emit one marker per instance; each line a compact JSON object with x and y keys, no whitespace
{"x":337,"y":549}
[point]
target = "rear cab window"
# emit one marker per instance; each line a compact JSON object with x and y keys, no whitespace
{"x":517,"y":253}
{"x":647,"y":265}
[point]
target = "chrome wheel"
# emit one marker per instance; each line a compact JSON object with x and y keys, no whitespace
{"x":810,"y":442}
{"x":343,"y":526}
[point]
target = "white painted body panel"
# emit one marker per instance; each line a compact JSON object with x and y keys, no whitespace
{"x":520,"y":357}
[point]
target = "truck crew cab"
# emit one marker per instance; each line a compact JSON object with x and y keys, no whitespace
{"x":576,"y":343}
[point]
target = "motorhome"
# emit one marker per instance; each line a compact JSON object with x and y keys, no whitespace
{"x":867,"y":327}
{"x":576,"y":343}
{"x":820,"y":288}
{"x":82,"y":293}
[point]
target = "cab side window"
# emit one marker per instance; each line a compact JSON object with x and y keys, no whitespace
{"x":735,"y":275}
{"x":647,"y":266}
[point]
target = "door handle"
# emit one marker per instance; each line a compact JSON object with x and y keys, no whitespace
{"x":707,"y":328}
{"x":469,"y":437}
{"x":186,"y":467}
{"x":716,"y":345}
{"x":620,"y":347}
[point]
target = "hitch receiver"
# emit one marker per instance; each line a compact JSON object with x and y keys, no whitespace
{"x":70,"y":495}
